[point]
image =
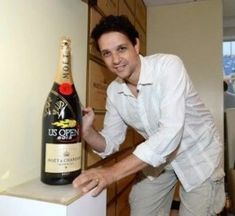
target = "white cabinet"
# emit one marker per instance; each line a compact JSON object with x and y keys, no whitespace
{"x":37,"y":199}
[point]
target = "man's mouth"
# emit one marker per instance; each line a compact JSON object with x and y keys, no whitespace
{"x":120,"y":68}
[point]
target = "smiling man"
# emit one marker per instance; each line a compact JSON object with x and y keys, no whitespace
{"x":155,"y":96}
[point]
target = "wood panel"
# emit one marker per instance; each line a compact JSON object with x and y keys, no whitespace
{"x":108,"y":6}
{"x":123,"y":183}
{"x":140,"y":13}
{"x":91,"y":157}
{"x":129,"y":139}
{"x":130,"y":4}
{"x":111,"y":209}
{"x":138,"y":138}
{"x":142,"y":38}
{"x":95,"y":17}
{"x":122,"y":205}
{"x":99,"y":120}
{"x":98,"y":81}
{"x":111,"y":191}
{"x":124,"y":10}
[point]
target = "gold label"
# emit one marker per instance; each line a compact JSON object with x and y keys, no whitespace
{"x":64,"y":73}
{"x":61,"y":158}
{"x":66,"y":62}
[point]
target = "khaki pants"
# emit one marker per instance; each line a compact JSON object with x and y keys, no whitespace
{"x":154,"y":198}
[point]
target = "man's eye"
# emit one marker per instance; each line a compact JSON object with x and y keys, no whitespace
{"x":122,"y":49}
{"x":105,"y":54}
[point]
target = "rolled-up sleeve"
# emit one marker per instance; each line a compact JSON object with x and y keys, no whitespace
{"x":114,"y":130}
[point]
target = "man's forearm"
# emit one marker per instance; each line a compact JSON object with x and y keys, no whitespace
{"x":129,"y":165}
{"x":100,"y":178}
{"x":95,"y":140}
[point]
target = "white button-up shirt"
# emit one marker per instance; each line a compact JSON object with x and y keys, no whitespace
{"x":168,"y":112}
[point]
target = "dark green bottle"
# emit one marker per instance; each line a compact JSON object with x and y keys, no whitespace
{"x":61,"y":157}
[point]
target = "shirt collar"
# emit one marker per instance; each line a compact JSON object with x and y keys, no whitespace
{"x":123,"y":87}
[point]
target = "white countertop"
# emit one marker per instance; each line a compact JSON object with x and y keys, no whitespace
{"x":36,"y":190}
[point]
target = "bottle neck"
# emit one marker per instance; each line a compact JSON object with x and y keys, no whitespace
{"x":64,"y":72}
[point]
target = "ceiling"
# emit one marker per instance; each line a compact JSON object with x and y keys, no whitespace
{"x":228,"y":8}
{"x":228,"y":5}
{"x":164,"y":2}
{"x":229,"y":13}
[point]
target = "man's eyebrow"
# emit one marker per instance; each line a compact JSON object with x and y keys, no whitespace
{"x":105,"y":50}
{"x":108,"y":50}
{"x":123,"y":44}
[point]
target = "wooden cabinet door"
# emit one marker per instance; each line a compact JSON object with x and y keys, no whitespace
{"x":111,"y":209}
{"x":142,"y":38}
{"x":129,"y":140}
{"x":99,"y":78}
{"x":138,"y":138}
{"x":122,"y":205}
{"x":95,"y":17}
{"x":108,"y":6}
{"x":130,"y":4}
{"x":111,"y":191}
{"x":91,"y":157}
{"x":125,"y":182}
{"x":140,"y":13}
{"x":124,"y":10}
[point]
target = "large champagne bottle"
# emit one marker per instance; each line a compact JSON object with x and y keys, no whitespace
{"x":61,"y":126}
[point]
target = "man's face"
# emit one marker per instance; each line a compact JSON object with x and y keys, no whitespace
{"x":119,"y":54}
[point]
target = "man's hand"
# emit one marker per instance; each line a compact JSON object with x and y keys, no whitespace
{"x":87,"y":120}
{"x":89,"y":133}
{"x":95,"y":178}
{"x":100,"y":178}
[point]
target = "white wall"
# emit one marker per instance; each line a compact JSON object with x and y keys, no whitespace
{"x":193,"y":31}
{"x":29,"y":49}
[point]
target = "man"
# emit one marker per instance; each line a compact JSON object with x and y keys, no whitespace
{"x":229,"y":98}
{"x":155,"y":96}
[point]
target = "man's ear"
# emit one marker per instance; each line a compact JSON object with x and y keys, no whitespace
{"x":137,"y":46}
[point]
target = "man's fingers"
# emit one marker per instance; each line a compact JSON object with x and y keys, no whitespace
{"x":87,"y":176}
{"x":92,"y":184}
{"x":82,"y":179}
{"x":92,"y":179}
{"x":100,"y":186}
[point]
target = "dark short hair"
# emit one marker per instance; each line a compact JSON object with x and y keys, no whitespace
{"x":225,"y":86}
{"x":113,"y":23}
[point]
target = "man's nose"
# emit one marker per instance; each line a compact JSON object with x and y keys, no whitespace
{"x":116,"y":58}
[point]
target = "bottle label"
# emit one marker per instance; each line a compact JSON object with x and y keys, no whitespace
{"x":64,"y":73}
{"x":61,"y":158}
{"x":66,"y":130}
